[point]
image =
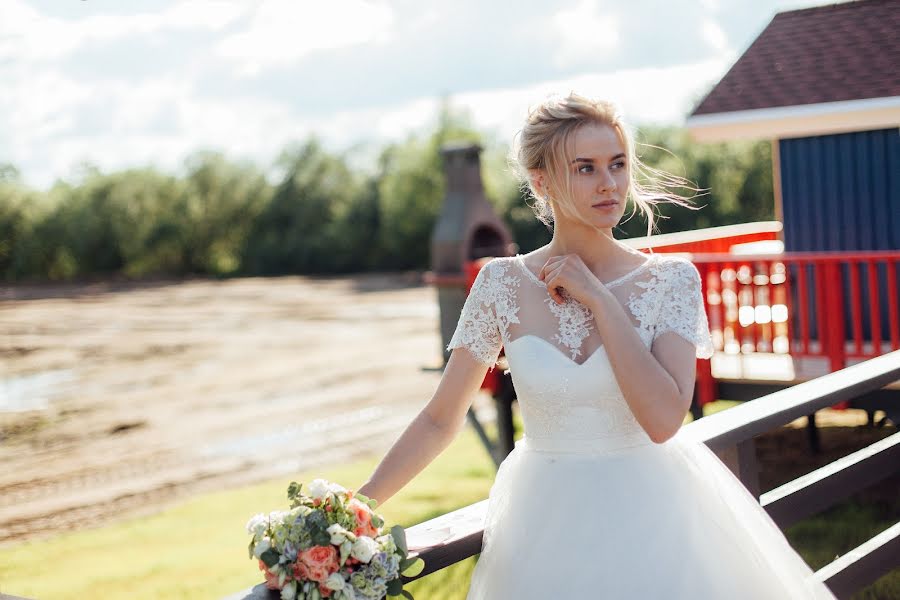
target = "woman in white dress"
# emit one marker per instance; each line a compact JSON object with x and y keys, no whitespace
{"x":604,"y":496}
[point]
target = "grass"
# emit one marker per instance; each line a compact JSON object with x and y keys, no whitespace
{"x":197,"y":549}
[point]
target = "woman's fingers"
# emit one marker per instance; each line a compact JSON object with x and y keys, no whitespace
{"x":553,"y":289}
{"x":549,"y":266}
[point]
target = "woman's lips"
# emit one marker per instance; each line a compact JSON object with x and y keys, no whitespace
{"x":607,"y":204}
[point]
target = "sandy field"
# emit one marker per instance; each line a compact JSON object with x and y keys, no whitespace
{"x":119,"y":398}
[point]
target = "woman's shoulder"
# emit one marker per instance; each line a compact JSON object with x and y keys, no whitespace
{"x":495,"y":273}
{"x":498,"y":265}
{"x":676,"y":265}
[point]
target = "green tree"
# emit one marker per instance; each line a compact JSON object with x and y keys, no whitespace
{"x":300,"y":230}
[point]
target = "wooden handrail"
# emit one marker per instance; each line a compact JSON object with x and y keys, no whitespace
{"x":821,"y":488}
{"x":862,"y":563}
{"x":743,"y":422}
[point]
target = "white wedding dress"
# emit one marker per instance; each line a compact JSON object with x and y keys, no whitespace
{"x":586,"y":505}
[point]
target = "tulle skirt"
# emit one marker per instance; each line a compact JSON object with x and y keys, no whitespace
{"x":609,"y":520}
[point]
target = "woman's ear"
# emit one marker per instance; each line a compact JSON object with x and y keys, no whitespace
{"x":538,"y":182}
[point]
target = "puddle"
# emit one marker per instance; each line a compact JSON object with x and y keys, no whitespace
{"x":285,"y":437}
{"x":32,"y":392}
{"x":311,"y":433}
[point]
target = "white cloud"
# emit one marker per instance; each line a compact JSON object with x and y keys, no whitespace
{"x":55,"y":113}
{"x":27,"y":35}
{"x":649,"y":95}
{"x":582,"y":32}
{"x":714,"y":36}
{"x":47,"y":144}
{"x":282,"y":32}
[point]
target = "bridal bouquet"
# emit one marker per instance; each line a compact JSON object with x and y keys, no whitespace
{"x":329,"y":544}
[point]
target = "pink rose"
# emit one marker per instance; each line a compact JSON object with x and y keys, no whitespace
{"x":363,"y":518}
{"x":271,"y":578}
{"x":317,"y":563}
{"x":325,"y":591}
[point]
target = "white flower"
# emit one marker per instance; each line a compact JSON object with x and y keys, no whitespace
{"x":289,"y":591}
{"x":335,"y":582}
{"x":364,"y":548}
{"x":338,"y":534}
{"x":336,"y":488}
{"x":261,"y":546}
{"x":257,"y":524}
{"x":318,"y":488}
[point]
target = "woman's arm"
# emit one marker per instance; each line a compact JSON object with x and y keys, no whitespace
{"x":436,"y":425}
{"x":659,"y":384}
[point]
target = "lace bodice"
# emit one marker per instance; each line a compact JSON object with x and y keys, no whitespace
{"x":565,"y":384}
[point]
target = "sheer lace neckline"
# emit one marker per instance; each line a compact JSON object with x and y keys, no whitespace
{"x":532,"y":277}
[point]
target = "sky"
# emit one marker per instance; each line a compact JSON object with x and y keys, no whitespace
{"x":121,"y":84}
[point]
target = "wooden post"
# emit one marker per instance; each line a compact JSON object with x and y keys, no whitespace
{"x":741,"y":459}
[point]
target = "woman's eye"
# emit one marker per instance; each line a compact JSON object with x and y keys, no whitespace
{"x":586,"y":169}
{"x":619,"y":165}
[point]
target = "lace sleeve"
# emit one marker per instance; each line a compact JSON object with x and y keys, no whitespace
{"x":477,"y":329}
{"x":683,"y":310}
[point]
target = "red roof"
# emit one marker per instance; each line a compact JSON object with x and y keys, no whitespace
{"x":846,"y":51}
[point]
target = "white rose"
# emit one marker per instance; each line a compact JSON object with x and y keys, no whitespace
{"x":261,"y":546}
{"x":289,"y":591}
{"x":364,"y":548}
{"x":334,"y":582}
{"x":336,"y":488}
{"x":338,"y":534}
{"x":318,"y":488}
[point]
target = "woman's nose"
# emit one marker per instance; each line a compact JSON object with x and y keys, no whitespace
{"x":607,"y":183}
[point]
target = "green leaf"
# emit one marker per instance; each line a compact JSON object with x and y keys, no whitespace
{"x":377,"y":521}
{"x":407,"y":595}
{"x":410,"y":567}
{"x":270,"y":557}
{"x":399,"y":536}
{"x":394,"y":587}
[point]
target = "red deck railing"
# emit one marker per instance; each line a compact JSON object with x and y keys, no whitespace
{"x":835,"y":305}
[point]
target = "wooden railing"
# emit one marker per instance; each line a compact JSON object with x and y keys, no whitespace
{"x":453,"y":537}
{"x":835,"y":307}
{"x":804,"y":303}
{"x":709,"y":239}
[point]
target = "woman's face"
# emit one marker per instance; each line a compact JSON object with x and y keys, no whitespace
{"x":598,"y":170}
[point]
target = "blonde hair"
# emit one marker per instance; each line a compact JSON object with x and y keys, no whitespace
{"x":542,"y":144}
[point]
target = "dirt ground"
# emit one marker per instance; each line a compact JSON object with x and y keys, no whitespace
{"x":117,"y":399}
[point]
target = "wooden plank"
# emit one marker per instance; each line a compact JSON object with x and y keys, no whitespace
{"x":835,"y":481}
{"x":864,"y":564}
{"x":447,"y":539}
{"x":741,"y":460}
{"x":730,"y":427}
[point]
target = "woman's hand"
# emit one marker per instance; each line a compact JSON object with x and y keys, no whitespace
{"x":569,"y":273}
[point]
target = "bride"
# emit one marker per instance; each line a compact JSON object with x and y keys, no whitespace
{"x":604,"y":496}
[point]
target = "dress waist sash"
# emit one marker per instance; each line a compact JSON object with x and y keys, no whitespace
{"x":600,"y":445}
